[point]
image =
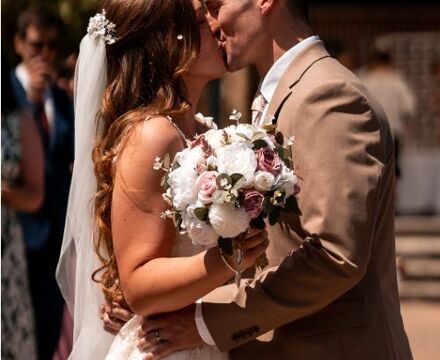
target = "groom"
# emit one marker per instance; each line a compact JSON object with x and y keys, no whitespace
{"x":330,"y":291}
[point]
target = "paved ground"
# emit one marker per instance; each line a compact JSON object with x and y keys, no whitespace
{"x":422,"y":324}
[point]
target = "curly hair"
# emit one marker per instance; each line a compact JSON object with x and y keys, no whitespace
{"x":158,"y":43}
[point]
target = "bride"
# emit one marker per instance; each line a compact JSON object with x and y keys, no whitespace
{"x":141,"y":70}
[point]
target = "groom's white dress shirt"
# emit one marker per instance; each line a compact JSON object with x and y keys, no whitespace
{"x":267,"y":89}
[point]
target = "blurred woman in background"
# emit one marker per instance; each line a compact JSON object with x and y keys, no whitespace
{"x":22,"y":170}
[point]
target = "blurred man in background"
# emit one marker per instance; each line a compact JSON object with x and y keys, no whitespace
{"x":33,"y":80}
{"x":390,"y":88}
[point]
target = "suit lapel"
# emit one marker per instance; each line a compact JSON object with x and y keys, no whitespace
{"x":293,"y":74}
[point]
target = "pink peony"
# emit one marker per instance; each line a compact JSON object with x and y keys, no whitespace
{"x":206,"y":186}
{"x":253,"y":202}
{"x":268,"y":160}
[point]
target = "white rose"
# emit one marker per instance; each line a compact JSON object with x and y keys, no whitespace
{"x":182,"y":183}
{"x":287,"y":181}
{"x":237,"y":158}
{"x":263,"y":181}
{"x":227,"y":220}
{"x":201,"y":233}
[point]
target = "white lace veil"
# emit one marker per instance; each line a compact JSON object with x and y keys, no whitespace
{"x":78,"y":259}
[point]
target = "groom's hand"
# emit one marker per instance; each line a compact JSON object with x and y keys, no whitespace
{"x":115,"y":315}
{"x":170,"y":332}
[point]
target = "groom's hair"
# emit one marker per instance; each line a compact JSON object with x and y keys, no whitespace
{"x":299,"y":9}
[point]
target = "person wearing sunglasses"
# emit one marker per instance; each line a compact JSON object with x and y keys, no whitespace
{"x":37,"y":42}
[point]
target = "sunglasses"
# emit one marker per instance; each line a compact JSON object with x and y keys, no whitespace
{"x":39,"y":45}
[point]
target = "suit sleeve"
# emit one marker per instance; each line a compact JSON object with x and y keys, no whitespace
{"x":340,"y":157}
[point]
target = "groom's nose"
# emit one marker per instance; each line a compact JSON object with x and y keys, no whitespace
{"x":213,"y":25}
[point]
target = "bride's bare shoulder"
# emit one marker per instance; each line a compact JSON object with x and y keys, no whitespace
{"x":155,"y":133}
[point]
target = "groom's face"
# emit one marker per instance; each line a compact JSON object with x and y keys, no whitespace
{"x":238,"y":26}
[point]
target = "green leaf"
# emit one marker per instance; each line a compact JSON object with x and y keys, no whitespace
{"x":201,"y":213}
{"x":259,"y":144}
{"x":292,"y":205}
{"x":274,"y":216}
{"x":175,"y":166}
{"x":236,"y":177}
{"x":177,"y":219}
{"x":258,"y":135}
{"x":164,"y":182}
{"x":223,"y":182}
{"x":279,"y":138}
{"x":242,"y":136}
{"x":258,"y":223}
{"x":166,"y":161}
{"x":237,"y":181}
{"x":267,"y":205}
{"x":284,"y":154}
{"x":226,"y":245}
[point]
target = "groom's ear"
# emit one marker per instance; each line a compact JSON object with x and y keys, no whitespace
{"x":266,"y":6}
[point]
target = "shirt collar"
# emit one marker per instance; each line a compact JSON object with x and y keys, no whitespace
{"x":277,"y":70}
{"x":22,"y":75}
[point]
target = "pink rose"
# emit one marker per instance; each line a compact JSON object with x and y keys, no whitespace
{"x":206,"y":186}
{"x":268,"y":160}
{"x":253,"y":202}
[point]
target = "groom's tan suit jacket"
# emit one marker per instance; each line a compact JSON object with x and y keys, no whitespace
{"x":330,"y":292}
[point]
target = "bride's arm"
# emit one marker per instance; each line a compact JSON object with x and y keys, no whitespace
{"x":151,"y":280}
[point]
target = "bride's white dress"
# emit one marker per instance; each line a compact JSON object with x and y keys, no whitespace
{"x":124,"y":346}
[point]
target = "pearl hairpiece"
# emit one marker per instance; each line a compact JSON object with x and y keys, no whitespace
{"x":100,"y":27}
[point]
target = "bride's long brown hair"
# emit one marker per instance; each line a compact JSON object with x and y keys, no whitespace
{"x":158,"y":42}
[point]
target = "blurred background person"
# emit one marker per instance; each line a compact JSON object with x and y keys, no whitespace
{"x":66,"y":74}
{"x":22,"y":190}
{"x":36,"y":43}
{"x":390,"y":88}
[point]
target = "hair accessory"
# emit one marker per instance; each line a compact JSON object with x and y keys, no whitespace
{"x":100,"y":27}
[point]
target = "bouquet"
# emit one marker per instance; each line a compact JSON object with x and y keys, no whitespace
{"x":228,"y":180}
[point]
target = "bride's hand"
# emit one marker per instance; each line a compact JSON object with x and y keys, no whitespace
{"x":254,"y":245}
{"x":115,"y":315}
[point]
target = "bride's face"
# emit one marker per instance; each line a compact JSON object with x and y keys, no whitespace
{"x":210,"y":64}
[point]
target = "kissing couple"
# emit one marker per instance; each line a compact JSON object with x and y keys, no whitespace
{"x":330,"y":289}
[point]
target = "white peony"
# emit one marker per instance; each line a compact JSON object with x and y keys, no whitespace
{"x":237,"y":158}
{"x":183,"y":189}
{"x":215,"y":138}
{"x":189,"y":157}
{"x":287,"y":181}
{"x":201,"y":233}
{"x":263,"y":181}
{"x":227,"y":220}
